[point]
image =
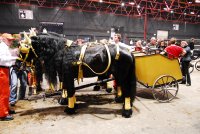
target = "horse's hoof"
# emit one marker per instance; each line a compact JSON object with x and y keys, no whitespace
{"x":119,"y":99}
{"x":70,"y":111}
{"x":108,"y":90}
{"x":63,"y":101}
{"x":96,"y":88}
{"x":127,"y":113}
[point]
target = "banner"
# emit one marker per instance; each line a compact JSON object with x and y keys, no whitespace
{"x":25,"y":14}
{"x":175,"y":26}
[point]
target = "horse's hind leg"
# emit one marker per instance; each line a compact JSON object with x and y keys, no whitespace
{"x":108,"y":85}
{"x":129,"y":92}
{"x":63,"y":100}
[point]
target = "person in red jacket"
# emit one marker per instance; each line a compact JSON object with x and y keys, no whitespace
{"x":174,"y":51}
{"x":6,"y":60}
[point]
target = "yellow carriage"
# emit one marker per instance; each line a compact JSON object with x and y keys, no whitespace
{"x":159,"y":73}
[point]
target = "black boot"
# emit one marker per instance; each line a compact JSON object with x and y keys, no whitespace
{"x":30,"y":91}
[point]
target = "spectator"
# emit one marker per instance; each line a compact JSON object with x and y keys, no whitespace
{"x":151,"y":47}
{"x":138,"y":45}
{"x":152,"y":43}
{"x":161,"y":45}
{"x":191,"y":44}
{"x":6,"y":60}
{"x":117,"y":40}
{"x":79,"y":41}
{"x":185,"y":62}
{"x":174,"y":51}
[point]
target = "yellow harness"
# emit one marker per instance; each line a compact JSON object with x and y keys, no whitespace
{"x":80,"y":63}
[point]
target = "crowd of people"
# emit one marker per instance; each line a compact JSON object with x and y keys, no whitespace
{"x":12,"y":69}
{"x":173,"y":49}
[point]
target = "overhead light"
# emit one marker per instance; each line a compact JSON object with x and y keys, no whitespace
{"x":190,"y":2}
{"x":185,"y":13}
{"x":191,"y":12}
{"x":171,"y":11}
{"x":100,"y":1}
{"x":166,"y":9}
{"x":131,"y":3}
{"x":122,"y":4}
{"x":197,"y":1}
{"x":198,"y":15}
{"x":138,"y":6}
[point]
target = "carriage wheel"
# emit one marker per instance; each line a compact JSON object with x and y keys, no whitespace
{"x":197,"y":65}
{"x":165,"y":88}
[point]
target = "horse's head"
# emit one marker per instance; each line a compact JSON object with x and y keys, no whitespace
{"x":26,"y":47}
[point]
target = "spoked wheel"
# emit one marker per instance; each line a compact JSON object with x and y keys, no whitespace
{"x":165,"y":88}
{"x":197,"y":65}
{"x":191,"y":68}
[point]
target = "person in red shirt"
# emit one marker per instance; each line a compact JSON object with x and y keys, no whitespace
{"x":174,"y":51}
{"x":138,"y":45}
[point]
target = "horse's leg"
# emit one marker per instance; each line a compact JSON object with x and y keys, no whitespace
{"x":109,"y":85}
{"x":118,"y":89}
{"x":68,"y":84}
{"x":63,"y":100}
{"x":97,"y":87}
{"x":38,"y":73}
{"x":119,"y":98}
{"x":129,"y":91}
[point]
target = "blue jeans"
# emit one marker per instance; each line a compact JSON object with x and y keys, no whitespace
{"x":13,"y":86}
{"x":14,"y":75}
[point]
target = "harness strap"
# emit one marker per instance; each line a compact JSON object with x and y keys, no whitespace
{"x":108,"y":66}
{"x":80,"y":62}
{"x":34,"y":51}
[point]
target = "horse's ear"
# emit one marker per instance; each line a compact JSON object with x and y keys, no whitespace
{"x":32,"y":32}
{"x":27,"y":40}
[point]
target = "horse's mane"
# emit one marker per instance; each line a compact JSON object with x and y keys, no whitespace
{"x":51,"y":35}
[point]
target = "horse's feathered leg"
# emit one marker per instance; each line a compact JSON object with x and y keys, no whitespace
{"x":68,"y":83}
{"x":125,"y":78}
{"x":119,"y":98}
{"x":129,"y":91}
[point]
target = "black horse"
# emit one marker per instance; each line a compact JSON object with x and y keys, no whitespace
{"x":65,"y":61}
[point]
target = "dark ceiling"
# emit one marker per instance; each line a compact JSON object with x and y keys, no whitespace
{"x":168,"y":10}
